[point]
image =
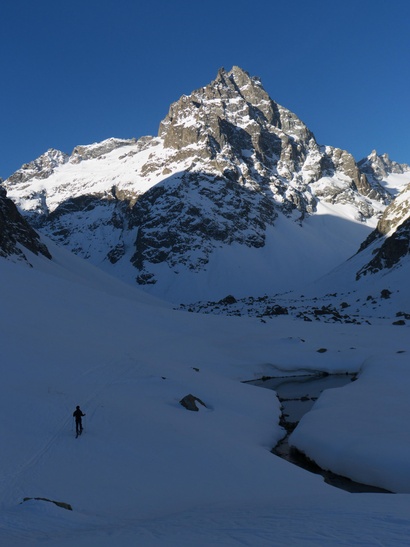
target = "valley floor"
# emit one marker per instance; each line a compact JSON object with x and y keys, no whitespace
{"x":148,"y":472}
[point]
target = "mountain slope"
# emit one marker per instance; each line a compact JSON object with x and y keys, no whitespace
{"x":371,"y":286}
{"x":391,"y":239}
{"x":213,"y":204}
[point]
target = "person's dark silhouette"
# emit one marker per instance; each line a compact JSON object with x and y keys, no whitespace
{"x":78,"y":414}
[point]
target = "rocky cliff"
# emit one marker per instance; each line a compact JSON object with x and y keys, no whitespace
{"x":391,"y":238}
{"x":16,"y":235}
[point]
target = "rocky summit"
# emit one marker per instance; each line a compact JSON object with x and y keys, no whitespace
{"x":234,"y":195}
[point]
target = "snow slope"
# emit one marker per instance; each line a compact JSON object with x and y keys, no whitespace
{"x":151,"y":473}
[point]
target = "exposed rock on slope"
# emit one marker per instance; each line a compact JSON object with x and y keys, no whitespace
{"x":379,"y":167}
{"x":391,"y":239}
{"x":15,"y":233}
{"x":41,"y":168}
{"x":391,"y":251}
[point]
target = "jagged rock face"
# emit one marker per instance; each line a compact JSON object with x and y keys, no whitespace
{"x":41,"y":168}
{"x":235,"y":114}
{"x":234,"y":125}
{"x":392,"y":250}
{"x":396,"y":213}
{"x":98,"y":150}
{"x":393,"y":232}
{"x":15,"y":232}
{"x":378,"y":167}
{"x":199,"y":212}
{"x":344,"y":162}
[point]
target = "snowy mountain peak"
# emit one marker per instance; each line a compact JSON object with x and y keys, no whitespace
{"x":41,"y":168}
{"x":380,"y":166}
{"x":225,"y":187}
{"x":44,"y":166}
{"x":235,"y":113}
{"x":98,"y":149}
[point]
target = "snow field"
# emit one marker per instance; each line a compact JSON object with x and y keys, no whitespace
{"x":149,"y":472}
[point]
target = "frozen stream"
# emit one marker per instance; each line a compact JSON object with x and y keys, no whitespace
{"x":297,"y":395}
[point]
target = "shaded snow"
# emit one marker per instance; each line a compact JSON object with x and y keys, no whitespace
{"x":149,"y":472}
{"x":357,"y":439}
{"x":396,"y":182}
{"x":287,"y":260}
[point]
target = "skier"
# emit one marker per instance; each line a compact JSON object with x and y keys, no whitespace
{"x":78,"y":414}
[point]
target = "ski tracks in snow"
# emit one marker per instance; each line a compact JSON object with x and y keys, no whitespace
{"x":101,"y":376}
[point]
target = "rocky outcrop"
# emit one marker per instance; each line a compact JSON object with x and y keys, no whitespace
{"x":181,"y":223}
{"x":392,"y":234}
{"x":396,"y":213}
{"x":61,"y":504}
{"x":189,"y":402}
{"x":392,"y":250}
{"x":41,"y":168}
{"x":44,"y":166}
{"x":98,"y":150}
{"x":15,"y":232}
{"x":378,"y":167}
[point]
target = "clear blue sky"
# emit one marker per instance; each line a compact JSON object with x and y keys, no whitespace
{"x":79,"y":72}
